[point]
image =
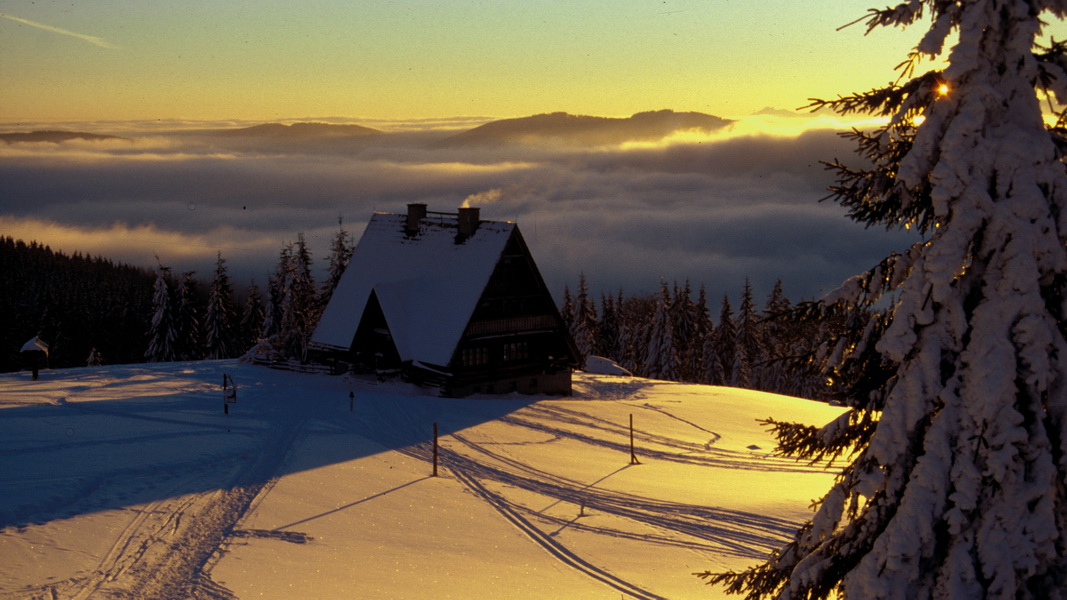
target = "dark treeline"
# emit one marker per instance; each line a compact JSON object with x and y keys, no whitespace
{"x":86,"y":309}
{"x":672,"y":335}
{"x":92,"y":311}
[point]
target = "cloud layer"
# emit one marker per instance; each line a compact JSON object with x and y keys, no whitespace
{"x":714,"y":209}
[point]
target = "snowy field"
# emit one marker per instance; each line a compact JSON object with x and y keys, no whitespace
{"x":131,"y":482}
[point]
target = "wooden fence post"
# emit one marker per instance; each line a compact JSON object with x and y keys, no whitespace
{"x":435,"y":449}
{"x":228,"y":395}
{"x":633,"y":455}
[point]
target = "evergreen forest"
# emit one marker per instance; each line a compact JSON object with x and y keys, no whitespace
{"x":675,"y":335}
{"x":82,"y":307}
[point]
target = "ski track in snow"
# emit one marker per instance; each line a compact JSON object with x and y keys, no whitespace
{"x":163,"y":549}
{"x":460,"y":468}
{"x":169,"y":546}
{"x":689,"y":526}
{"x":713,"y":529}
{"x":679,"y":451}
{"x":472,"y":473}
{"x":556,"y":549}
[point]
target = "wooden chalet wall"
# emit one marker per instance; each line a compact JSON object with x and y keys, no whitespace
{"x":516,"y":340}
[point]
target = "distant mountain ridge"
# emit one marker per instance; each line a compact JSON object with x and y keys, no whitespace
{"x":587,"y":130}
{"x":55,"y":137}
{"x":309,"y":130}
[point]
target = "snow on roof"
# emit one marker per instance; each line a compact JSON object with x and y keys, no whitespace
{"x":35,"y":344}
{"x":427,"y":284}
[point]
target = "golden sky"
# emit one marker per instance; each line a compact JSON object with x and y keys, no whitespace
{"x":718,"y":208}
{"x":410,"y":59}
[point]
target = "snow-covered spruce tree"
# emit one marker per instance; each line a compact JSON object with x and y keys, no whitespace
{"x":725,"y":343}
{"x":340,"y":253}
{"x":585,"y":320}
{"x":661,"y":359}
{"x":701,"y":336}
{"x":299,"y":306}
{"x":684,"y":321}
{"x":271,"y":309}
{"x":748,"y":343}
{"x":608,"y":328}
{"x":778,"y":344}
{"x":957,"y":486}
{"x":187,"y":320}
{"x":631,"y":333}
{"x":161,"y":331}
{"x":252,"y":316}
{"x":220,"y":335}
{"x":713,"y":370}
{"x":566,"y":309}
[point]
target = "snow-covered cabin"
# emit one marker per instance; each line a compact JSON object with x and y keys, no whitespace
{"x":447,"y":299}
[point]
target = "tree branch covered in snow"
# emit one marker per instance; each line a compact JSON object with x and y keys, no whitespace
{"x":958,"y":389}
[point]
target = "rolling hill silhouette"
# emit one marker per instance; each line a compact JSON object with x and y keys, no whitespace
{"x":54,"y":137}
{"x":299,"y":131}
{"x":586,"y":130}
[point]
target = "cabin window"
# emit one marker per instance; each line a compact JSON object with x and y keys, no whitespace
{"x":516,"y":351}
{"x":473,"y":357}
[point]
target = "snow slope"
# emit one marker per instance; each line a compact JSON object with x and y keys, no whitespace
{"x":130,"y":481}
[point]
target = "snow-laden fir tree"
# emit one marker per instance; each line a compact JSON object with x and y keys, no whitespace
{"x":271,"y":309}
{"x":684,"y":321}
{"x":187,"y":320}
{"x":608,"y":328}
{"x":957,"y":486}
{"x":585,"y":320}
{"x":252,"y":315}
{"x":220,"y":335}
{"x":299,"y":307}
{"x":701,"y":338}
{"x":661,"y":358}
{"x":778,"y":345}
{"x":713,"y":373}
{"x":161,"y":332}
{"x":340,"y":253}
{"x":748,"y":343}
{"x":566,"y":309}
{"x":725,"y":343}
{"x":631,"y":333}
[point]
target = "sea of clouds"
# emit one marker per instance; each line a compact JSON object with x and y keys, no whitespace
{"x":714,"y":208}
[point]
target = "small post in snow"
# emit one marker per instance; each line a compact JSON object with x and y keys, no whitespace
{"x":229,"y":393}
{"x":633,"y":455}
{"x":435,"y":449}
{"x":351,"y":400}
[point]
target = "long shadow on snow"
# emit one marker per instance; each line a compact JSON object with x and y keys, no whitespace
{"x":61,"y":457}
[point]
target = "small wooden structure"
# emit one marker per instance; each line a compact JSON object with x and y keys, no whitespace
{"x":447,"y":299}
{"x":34,"y":355}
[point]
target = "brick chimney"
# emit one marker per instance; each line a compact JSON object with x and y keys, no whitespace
{"x":467,"y":223}
{"x":416,"y":212}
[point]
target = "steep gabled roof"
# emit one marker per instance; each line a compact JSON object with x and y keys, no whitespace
{"x":427,"y":284}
